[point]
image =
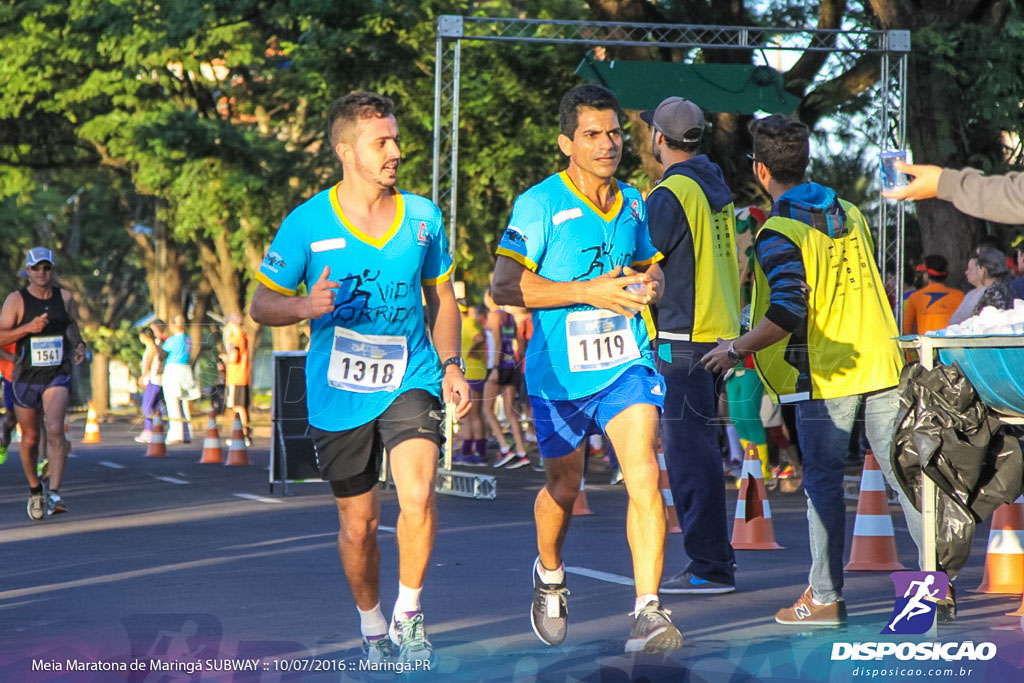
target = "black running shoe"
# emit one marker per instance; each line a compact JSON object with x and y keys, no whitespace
{"x":550,"y":612}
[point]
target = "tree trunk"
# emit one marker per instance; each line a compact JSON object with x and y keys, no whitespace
{"x":286,"y":338}
{"x":99,"y":376}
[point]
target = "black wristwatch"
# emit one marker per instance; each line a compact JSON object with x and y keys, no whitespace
{"x":457,"y":361}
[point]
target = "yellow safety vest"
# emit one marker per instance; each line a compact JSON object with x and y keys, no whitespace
{"x":716,"y":287}
{"x":850,"y":330}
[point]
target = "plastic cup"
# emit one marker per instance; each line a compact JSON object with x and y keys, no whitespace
{"x":891,"y":178}
{"x":637,"y":288}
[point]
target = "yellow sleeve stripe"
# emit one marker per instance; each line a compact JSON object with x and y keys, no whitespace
{"x":441,"y":279}
{"x":651,"y":261}
{"x":271,"y":285}
{"x":517,"y":257}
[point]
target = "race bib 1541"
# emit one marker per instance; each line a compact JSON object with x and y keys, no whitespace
{"x":46,"y":351}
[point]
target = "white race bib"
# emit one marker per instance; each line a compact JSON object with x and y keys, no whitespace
{"x":365,"y":363}
{"x":599,"y":340}
{"x":46,"y":352}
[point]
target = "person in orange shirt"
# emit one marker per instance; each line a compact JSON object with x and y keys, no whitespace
{"x":236,"y":358}
{"x":9,"y":420}
{"x":930,"y":307}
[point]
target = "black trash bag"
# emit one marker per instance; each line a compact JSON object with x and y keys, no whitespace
{"x":944,"y":430}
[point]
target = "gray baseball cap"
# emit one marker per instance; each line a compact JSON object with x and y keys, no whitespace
{"x":677,"y":118}
{"x":38,"y":254}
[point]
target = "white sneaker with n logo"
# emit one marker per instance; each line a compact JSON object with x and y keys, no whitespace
{"x":806,"y":612}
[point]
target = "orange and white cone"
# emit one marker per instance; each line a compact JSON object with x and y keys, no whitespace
{"x":752,"y":526}
{"x":580,"y":507}
{"x":874,"y":539}
{"x":1004,"y":562}
{"x":238,"y":454}
{"x":671,"y":519}
{"x":212,"y":453}
{"x":92,"y":427}
{"x":157,"y":447}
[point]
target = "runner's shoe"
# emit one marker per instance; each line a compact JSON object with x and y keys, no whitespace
{"x":521,"y":461}
{"x":539,"y":467}
{"x":144,"y":437}
{"x":43,"y":469}
{"x":406,"y":631}
{"x":36,"y":506}
{"x":378,"y":649}
{"x":6,"y":428}
{"x":806,"y":612}
{"x":688,"y":583}
{"x":54,"y":504}
{"x":653,"y":631}
{"x":550,"y":612}
{"x":474,"y":461}
{"x":3,"y":453}
{"x":504,"y":458}
{"x":616,"y":477}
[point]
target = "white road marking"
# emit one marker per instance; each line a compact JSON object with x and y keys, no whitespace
{"x":111,"y":465}
{"x":600,"y":576}
{"x":259,"y":499}
{"x":172,"y":480}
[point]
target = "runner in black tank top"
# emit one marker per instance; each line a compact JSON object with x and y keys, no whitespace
{"x":41,"y":320}
{"x":40,"y":357}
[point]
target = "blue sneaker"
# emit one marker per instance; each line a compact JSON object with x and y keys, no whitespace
{"x":688,"y":583}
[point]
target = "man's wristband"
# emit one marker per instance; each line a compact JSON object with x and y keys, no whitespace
{"x":456,"y":361}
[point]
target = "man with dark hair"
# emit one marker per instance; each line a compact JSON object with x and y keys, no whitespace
{"x":367,"y":252}
{"x":347,"y":111}
{"x":693,"y":224}
{"x":823,"y":339}
{"x":930,"y":307}
{"x":571,"y":252}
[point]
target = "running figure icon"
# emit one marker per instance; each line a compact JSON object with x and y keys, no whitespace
{"x":917,"y":606}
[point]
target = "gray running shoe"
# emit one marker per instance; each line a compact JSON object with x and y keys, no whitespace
{"x":550,"y":612}
{"x":406,"y":631}
{"x":653,"y":631}
{"x":378,"y":649}
{"x":54,"y":504}
{"x":36,"y":507}
{"x":687,"y":582}
{"x":504,"y":458}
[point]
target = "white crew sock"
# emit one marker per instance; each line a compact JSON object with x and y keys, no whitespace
{"x":408,"y":599}
{"x":550,"y":576}
{"x":642,"y":600}
{"x":371,"y":622}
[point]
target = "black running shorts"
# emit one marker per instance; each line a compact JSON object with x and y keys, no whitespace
{"x":351,"y":459}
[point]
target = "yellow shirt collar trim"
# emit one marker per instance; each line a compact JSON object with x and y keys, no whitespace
{"x":376,"y":242}
{"x":611,"y":214}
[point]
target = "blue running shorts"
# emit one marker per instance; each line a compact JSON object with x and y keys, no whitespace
{"x":563,"y":425}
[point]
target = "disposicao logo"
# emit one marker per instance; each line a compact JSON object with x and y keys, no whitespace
{"x":916,"y":595}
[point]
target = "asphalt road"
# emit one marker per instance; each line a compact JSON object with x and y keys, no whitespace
{"x":199,"y":565}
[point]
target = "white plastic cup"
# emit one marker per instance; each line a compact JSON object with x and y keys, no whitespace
{"x":891,"y":178}
{"x":637,"y":288}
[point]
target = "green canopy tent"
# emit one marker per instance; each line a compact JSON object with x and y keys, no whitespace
{"x":741,"y":88}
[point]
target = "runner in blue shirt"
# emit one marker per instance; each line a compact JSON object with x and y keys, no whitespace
{"x":572,"y":252}
{"x":365,"y":251}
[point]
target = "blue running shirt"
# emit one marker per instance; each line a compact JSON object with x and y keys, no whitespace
{"x":559,"y":234}
{"x":374,"y":346}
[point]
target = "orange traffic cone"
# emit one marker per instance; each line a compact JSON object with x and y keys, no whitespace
{"x":580,"y":507}
{"x":671,"y":519}
{"x":92,"y":427}
{"x":212,"y":453}
{"x":1004,"y":563}
{"x":238,"y":454}
{"x":157,"y":447}
{"x":752,"y":527}
{"x":874,"y":540}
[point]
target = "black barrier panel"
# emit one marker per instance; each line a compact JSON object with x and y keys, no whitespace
{"x":291,"y":439}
